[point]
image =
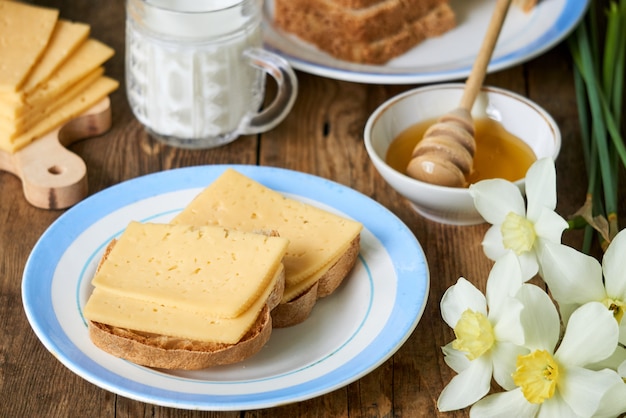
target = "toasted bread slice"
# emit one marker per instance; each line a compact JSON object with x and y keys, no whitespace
{"x":297,"y":310}
{"x":165,"y":352}
{"x":371,"y":35}
{"x":366,"y":24}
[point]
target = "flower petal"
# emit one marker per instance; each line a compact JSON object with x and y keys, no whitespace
{"x":504,"y":404}
{"x":566,"y":310}
{"x":555,"y":407}
{"x":584,"y":389}
{"x":496,"y":198}
{"x":504,"y":357}
{"x":455,"y":359}
{"x":573,"y":277}
{"x":590,"y":336}
{"x":509,"y":326}
{"x":460,"y":297}
{"x":505,"y":279}
{"x":613,"y":268}
{"x":540,"y":318}
{"x":612,"y":362}
{"x":529,"y":265}
{"x":467,"y":387}
{"x":540,"y":187}
{"x":549,"y":226}
{"x":613,"y":403}
{"x":622,"y":369}
{"x":492,"y":243}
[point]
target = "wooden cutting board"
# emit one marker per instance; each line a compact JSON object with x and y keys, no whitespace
{"x":52,"y":176}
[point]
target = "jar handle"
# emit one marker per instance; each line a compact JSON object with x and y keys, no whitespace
{"x":287,"y":90}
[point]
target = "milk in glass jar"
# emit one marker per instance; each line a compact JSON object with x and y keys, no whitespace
{"x":195,"y":71}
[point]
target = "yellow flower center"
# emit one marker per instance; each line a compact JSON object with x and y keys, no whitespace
{"x":518,"y":233}
{"x":537,"y":375}
{"x":617,"y":306}
{"x":474,"y":334}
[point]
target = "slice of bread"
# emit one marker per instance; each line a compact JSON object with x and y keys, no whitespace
{"x":167,"y":352}
{"x":368,"y":24}
{"x":373,"y":34}
{"x":173,"y":353}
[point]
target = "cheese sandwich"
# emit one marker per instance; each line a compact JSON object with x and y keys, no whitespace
{"x":185,"y":297}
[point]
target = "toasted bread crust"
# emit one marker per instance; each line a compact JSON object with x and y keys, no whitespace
{"x":299,"y":309}
{"x":165,"y":352}
{"x":175,"y":353}
{"x":331,"y":280}
{"x":295,"y":311}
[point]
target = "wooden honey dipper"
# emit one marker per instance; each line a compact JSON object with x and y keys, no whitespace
{"x":445,"y":154}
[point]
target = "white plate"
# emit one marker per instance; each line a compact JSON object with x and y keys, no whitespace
{"x":349,"y":333}
{"x":448,"y":57}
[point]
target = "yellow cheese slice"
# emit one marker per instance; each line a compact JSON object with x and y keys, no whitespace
{"x":316,"y":237}
{"x":145,"y":316}
{"x":90,"y":55}
{"x":66,"y":38}
{"x":207,"y":270}
{"x":12,"y":128}
{"x":294,"y":290}
{"x":81,"y":103}
{"x":24,"y":34}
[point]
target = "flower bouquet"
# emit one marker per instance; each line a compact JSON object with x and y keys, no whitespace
{"x":549,"y":330}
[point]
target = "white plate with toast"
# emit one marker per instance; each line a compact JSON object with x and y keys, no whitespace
{"x":348,"y":334}
{"x":448,"y":57}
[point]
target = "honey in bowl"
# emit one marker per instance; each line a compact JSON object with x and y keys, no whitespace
{"x":499,"y":154}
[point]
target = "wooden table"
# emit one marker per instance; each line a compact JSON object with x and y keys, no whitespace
{"x":321,"y":136}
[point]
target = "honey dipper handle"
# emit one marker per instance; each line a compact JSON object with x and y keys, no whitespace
{"x":477,"y":75}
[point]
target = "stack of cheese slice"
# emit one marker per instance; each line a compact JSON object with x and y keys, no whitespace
{"x":50,"y":72}
{"x":323,"y":246}
{"x":200,"y":283}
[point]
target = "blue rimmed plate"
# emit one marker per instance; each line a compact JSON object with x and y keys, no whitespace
{"x":349,"y":333}
{"x":448,"y":57}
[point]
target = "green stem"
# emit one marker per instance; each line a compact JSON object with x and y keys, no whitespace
{"x":618,"y":16}
{"x":610,"y":51}
{"x":598,"y":133}
{"x":581,"y":101}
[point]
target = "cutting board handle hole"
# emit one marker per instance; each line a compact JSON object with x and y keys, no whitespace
{"x":55,"y":169}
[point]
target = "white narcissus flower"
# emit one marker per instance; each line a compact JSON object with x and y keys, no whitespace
{"x":489,"y":334}
{"x":515,"y":226}
{"x":557,"y":383}
{"x":575,"y":278}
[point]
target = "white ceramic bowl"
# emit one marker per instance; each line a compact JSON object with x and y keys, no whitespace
{"x":451,"y":205}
